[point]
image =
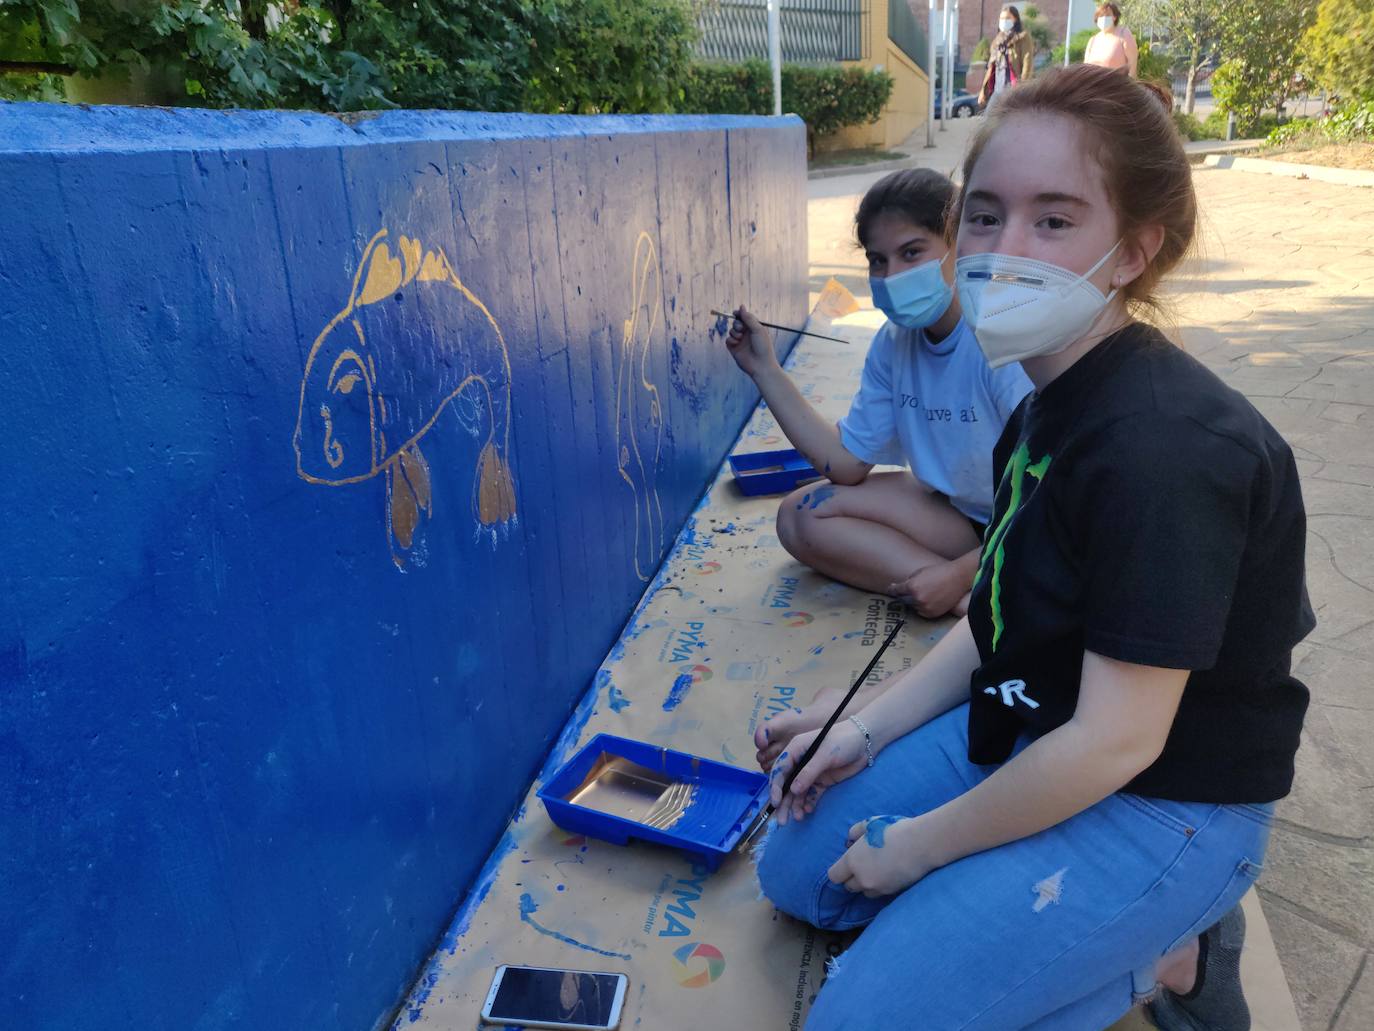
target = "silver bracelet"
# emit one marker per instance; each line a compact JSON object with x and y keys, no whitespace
{"x":868,"y":738}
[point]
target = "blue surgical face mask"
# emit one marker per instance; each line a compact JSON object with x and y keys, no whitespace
{"x":915,"y":297}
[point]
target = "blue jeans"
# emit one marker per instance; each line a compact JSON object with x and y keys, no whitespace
{"x":1060,"y":930}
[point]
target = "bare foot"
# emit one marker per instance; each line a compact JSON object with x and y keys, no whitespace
{"x":773,"y":734}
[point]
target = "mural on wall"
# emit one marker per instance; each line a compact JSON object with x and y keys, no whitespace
{"x":639,"y":413}
{"x":411,"y":340}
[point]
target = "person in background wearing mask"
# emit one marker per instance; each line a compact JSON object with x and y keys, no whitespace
{"x":1113,"y":46}
{"x":1012,"y":58}
{"x":926,"y":399}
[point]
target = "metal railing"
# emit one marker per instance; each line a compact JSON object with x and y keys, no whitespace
{"x":907,"y":32}
{"x":813,"y":31}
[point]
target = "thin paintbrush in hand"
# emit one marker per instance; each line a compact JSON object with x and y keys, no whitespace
{"x":834,"y":716}
{"x":786,"y":329}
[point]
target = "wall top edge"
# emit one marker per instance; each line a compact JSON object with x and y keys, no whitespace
{"x":80,"y":128}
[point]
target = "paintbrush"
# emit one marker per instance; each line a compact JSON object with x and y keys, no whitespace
{"x":810,"y":752}
{"x":786,"y":329}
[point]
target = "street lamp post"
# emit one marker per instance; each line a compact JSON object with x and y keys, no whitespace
{"x":1068,"y":32}
{"x":775,"y":52}
{"x":930,"y":74}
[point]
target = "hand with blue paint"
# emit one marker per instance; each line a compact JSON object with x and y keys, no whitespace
{"x":774,"y":734}
{"x":842,"y":754}
{"x":817,"y":437}
{"x":939,"y":587}
{"x":887,"y":854}
{"x":750,"y":343}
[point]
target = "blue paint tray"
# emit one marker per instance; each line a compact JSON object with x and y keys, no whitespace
{"x":772,"y":472}
{"x":616,"y":789}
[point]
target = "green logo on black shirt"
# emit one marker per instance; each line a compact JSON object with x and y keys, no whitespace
{"x":993,"y":550}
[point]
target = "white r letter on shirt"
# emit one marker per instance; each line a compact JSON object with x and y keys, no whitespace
{"x":1010,"y":688}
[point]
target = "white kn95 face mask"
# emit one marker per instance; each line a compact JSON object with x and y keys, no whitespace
{"x":1021,"y":308}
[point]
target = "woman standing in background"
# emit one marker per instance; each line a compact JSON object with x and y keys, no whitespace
{"x":1113,"y":46}
{"x":1011,"y":59}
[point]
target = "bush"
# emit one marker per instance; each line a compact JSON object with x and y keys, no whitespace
{"x":982,"y":50}
{"x":1078,"y":47}
{"x":498,"y":55}
{"x":1033,"y":22}
{"x":826,"y":97}
{"x":1292,"y":132}
{"x":1215,"y":126}
{"x":1153,"y":67}
{"x":612,"y":57}
{"x":1353,"y":123}
{"x":1191,"y":129}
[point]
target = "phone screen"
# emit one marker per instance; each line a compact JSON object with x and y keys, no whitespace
{"x":566,"y":996}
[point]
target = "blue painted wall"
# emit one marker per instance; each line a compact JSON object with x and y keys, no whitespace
{"x":335,"y":458}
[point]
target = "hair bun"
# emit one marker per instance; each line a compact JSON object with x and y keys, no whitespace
{"x":1161,"y":92}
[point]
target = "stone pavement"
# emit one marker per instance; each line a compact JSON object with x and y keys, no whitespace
{"x":1278,"y":301}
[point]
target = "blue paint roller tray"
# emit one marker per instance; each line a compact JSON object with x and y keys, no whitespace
{"x":772,"y":472}
{"x":616,"y":789}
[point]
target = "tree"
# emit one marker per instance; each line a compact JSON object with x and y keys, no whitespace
{"x":1258,"y":42}
{"x":1194,"y":28}
{"x":1338,"y":48}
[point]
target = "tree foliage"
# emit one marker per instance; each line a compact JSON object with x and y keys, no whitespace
{"x":1259,"y":42}
{"x":609,"y":56}
{"x":1338,"y":48}
{"x":495,"y":55}
{"x":1078,"y":47}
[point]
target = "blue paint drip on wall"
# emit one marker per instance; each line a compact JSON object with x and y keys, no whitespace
{"x":528,"y":907}
{"x":679,"y":690}
{"x":243,"y":696}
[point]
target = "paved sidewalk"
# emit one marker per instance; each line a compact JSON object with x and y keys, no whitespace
{"x":1280,"y":303}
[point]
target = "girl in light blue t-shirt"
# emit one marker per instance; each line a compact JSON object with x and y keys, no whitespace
{"x":927,"y":400}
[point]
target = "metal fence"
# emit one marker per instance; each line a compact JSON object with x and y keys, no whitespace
{"x":908,"y":32}
{"x":813,"y":31}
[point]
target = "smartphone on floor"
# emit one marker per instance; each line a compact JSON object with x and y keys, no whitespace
{"x":545,"y":997}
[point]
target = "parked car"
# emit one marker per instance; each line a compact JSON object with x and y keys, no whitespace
{"x":964,"y":105}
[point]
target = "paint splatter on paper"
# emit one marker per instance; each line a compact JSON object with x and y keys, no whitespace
{"x":681,"y":686}
{"x":528,"y":907}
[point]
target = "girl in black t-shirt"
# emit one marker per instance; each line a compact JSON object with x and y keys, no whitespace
{"x":1055,"y":814}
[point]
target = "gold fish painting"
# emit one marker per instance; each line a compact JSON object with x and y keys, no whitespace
{"x":411,"y":341}
{"x":639,"y":411}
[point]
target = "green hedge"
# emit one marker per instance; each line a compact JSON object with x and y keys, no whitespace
{"x":827,"y":97}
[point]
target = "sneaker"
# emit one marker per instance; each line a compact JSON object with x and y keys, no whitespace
{"x":1216,"y":1002}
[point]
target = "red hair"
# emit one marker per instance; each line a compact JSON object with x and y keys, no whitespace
{"x":1129,"y":127}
